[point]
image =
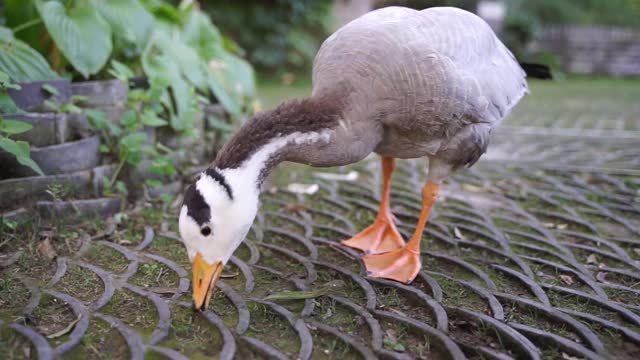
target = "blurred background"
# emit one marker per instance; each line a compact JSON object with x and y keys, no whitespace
{"x":150,"y":89}
{"x":587,"y":37}
{"x":109,"y":108}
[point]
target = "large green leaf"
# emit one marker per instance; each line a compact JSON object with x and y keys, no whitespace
{"x":128,"y":19}
{"x":23,"y":16}
{"x":82,"y":35}
{"x":167,"y":68}
{"x":13,"y":127}
{"x":22,"y":152}
{"x":233,"y":76}
{"x":130,"y":147}
{"x":20,"y":61}
{"x":202,"y":35}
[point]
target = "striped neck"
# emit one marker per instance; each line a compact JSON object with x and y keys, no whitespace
{"x":271,"y":136}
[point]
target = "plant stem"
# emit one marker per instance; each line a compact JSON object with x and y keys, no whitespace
{"x":27,"y":25}
{"x":115,"y":175}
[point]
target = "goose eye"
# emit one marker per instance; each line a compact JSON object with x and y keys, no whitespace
{"x":206,"y":231}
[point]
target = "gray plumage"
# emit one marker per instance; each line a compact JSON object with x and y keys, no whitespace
{"x":399,"y":82}
{"x":416,"y":83}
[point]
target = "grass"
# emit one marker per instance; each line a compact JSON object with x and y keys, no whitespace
{"x":80,"y":283}
{"x":134,"y":310}
{"x":100,"y":342}
{"x":611,"y":103}
{"x":193,"y":335}
{"x":272,"y":328}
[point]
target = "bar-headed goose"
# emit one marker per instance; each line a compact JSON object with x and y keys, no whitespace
{"x":398,"y":82}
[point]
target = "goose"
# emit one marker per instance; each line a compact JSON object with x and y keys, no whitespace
{"x":397,"y":82}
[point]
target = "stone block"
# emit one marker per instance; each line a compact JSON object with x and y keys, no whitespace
{"x":20,"y":190}
{"x":101,"y":93}
{"x":101,"y":207}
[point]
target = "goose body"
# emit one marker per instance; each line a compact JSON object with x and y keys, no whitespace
{"x":427,"y":83}
{"x":398,"y":82}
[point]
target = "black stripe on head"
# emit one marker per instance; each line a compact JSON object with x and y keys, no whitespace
{"x":215,"y":175}
{"x":197,"y":208}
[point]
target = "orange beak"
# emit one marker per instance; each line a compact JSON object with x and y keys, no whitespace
{"x":205,"y":278}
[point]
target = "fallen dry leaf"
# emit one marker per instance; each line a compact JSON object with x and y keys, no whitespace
{"x":64,"y":331}
{"x":351,"y":176}
{"x":549,"y":225}
{"x":229,"y":275}
{"x":567,"y":279}
{"x":561,"y":226}
{"x":592,"y":259}
{"x":306,"y":189}
{"x":298,"y":295}
{"x":566,"y":356}
{"x":600,"y":276}
{"x":458,"y":234}
{"x":637,"y":251}
{"x":164,"y":290}
{"x":46,"y":249}
{"x":472,"y":188}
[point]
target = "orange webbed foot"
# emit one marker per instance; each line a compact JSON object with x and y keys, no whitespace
{"x":379,"y":237}
{"x":400,"y":265}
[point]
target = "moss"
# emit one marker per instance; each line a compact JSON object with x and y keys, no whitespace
{"x":81,"y":283}
{"x":222,"y":306}
{"x":15,"y":346}
{"x":351,"y":289}
{"x":267,"y":283}
{"x":285,"y":242}
{"x":33,"y":266}
{"x":401,"y":338}
{"x":134,"y":310}
{"x":171,"y":249}
{"x":192,"y":335}
{"x":282,"y":263}
{"x":52,"y":315}
{"x":273,"y":329}
{"x":456,"y":295}
{"x":101,"y":341}
{"x":107,"y":258}
{"x":154,"y":274}
{"x":340,"y":317}
{"x":327,"y":346}
{"x":13,"y":297}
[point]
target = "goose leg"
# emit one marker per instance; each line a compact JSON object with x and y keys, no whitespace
{"x":404,"y":264}
{"x":382,"y":235}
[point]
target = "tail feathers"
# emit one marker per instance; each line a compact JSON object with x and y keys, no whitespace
{"x":537,"y":71}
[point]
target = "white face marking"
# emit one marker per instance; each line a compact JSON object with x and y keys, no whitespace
{"x":231,"y":219}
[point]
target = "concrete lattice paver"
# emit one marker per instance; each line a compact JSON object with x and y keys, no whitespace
{"x":532,"y":253}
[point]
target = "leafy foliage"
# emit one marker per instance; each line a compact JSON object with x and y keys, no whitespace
{"x":129,"y":20}
{"x":83,"y":36}
{"x":22,"y":61}
{"x":276,"y":33}
{"x":178,"y":49}
{"x":20,"y":149}
{"x":610,"y":12}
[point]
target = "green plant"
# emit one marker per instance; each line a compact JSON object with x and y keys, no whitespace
{"x":277,"y":34}
{"x":126,"y":141}
{"x":178,"y":49}
{"x":20,"y":60}
{"x":20,"y":149}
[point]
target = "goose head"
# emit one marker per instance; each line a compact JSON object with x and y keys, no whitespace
{"x":214,"y":219}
